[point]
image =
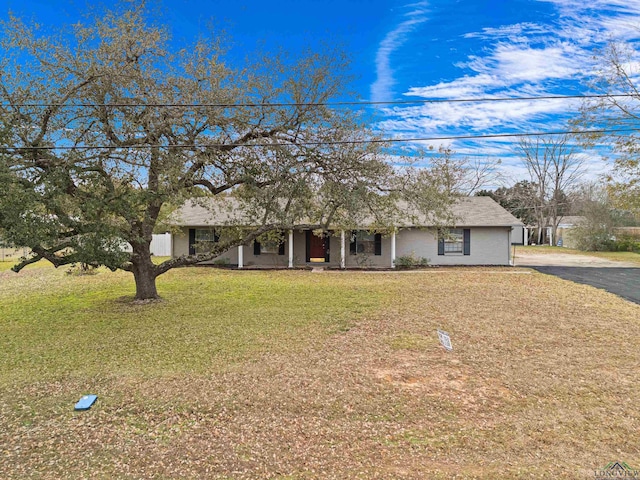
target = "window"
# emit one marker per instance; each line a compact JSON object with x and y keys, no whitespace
{"x":202,"y":240}
{"x":272,"y":244}
{"x":269,"y":247}
{"x":455,"y":241}
{"x":365,"y":243}
{"x":274,"y":247}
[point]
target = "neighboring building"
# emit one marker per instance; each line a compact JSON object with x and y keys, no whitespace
{"x":567,"y":223}
{"x":563,"y":232}
{"x":517,"y":235}
{"x":482,"y":236}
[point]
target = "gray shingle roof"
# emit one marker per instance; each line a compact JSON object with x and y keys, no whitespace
{"x":482,"y":212}
{"x":469,"y":212}
{"x":572,"y":220}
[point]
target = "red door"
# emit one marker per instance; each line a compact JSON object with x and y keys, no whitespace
{"x":317,"y":248}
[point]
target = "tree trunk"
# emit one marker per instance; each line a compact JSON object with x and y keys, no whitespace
{"x":144,"y":272}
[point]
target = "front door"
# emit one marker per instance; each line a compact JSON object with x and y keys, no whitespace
{"x":317,"y":250}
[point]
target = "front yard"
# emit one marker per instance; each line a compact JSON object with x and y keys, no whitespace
{"x":316,"y":375}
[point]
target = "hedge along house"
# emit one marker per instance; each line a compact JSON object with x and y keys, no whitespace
{"x":480,"y":236}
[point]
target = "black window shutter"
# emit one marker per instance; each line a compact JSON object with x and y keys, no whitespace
{"x":281,"y":248}
{"x":256,"y":247}
{"x":327,"y":244}
{"x":378,"y":243}
{"x":192,"y":241}
{"x":466,"y":246}
{"x":352,"y":245}
{"x":440,"y":244}
{"x":216,"y":236}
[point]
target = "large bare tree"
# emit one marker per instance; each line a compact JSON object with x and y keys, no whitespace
{"x":462,"y":175}
{"x":554,"y":167}
{"x":107,"y":125}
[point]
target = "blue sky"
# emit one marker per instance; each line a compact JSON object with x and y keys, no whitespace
{"x":438,"y":49}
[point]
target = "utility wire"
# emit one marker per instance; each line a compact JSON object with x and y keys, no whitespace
{"x":328,"y":142}
{"x":319,"y":104}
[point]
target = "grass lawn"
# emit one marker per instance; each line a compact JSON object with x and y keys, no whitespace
{"x":546,"y":249}
{"x":299,"y":375}
{"x":6,"y":265}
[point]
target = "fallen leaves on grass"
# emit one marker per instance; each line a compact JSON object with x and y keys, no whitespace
{"x":541,"y":384}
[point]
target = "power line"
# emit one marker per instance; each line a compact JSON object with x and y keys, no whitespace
{"x":318,"y":104}
{"x":328,"y":142}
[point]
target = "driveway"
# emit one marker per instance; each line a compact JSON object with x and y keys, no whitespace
{"x":620,"y":278}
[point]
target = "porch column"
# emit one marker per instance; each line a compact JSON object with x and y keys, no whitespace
{"x":240,"y":256}
{"x":525,"y":238}
{"x":343,"y":263}
{"x":290,"y":248}
{"x":393,"y":248}
{"x":510,"y":259}
{"x":549,"y":231}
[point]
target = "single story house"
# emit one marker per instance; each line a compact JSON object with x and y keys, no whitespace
{"x":481,"y":236}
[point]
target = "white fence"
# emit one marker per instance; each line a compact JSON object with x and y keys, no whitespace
{"x":12,"y":254}
{"x":161,"y":245}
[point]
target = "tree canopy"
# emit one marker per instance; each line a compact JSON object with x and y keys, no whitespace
{"x":107,"y":124}
{"x":617,"y":112}
{"x":518,"y":199}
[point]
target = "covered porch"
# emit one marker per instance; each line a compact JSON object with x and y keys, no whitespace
{"x":337,"y":249}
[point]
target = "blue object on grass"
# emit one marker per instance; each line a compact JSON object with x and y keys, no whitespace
{"x":86,"y":402}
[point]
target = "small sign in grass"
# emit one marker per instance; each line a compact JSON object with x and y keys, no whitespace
{"x":86,"y":402}
{"x":445,"y":340}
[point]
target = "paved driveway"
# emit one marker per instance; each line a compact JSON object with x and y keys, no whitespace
{"x":620,"y":278}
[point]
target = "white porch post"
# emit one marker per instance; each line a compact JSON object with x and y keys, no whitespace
{"x":393,"y":248}
{"x":509,"y":259}
{"x":343,"y":263}
{"x":525,"y":238}
{"x":290,"y":248}
{"x":240,"y":256}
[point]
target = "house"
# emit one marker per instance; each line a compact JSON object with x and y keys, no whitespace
{"x":567,"y":223}
{"x":517,"y":235}
{"x":563,"y":232}
{"x":481,"y":236}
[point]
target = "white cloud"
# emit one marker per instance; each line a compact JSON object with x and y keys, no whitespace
{"x":474,"y":118}
{"x":381,"y":89}
{"x":523,"y":59}
{"x":626,"y":7}
{"x":519,"y":32}
{"x":464,"y":87}
{"x":516,"y":64}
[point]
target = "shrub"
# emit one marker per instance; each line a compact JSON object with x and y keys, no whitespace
{"x":593,"y":238}
{"x":410,"y":260}
{"x":81,"y":269}
{"x":627,"y":244}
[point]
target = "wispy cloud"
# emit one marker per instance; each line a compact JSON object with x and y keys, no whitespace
{"x":518,"y":32}
{"x":551,"y":57}
{"x":381,"y":89}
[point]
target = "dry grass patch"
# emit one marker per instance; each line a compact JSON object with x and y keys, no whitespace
{"x":540,"y":384}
